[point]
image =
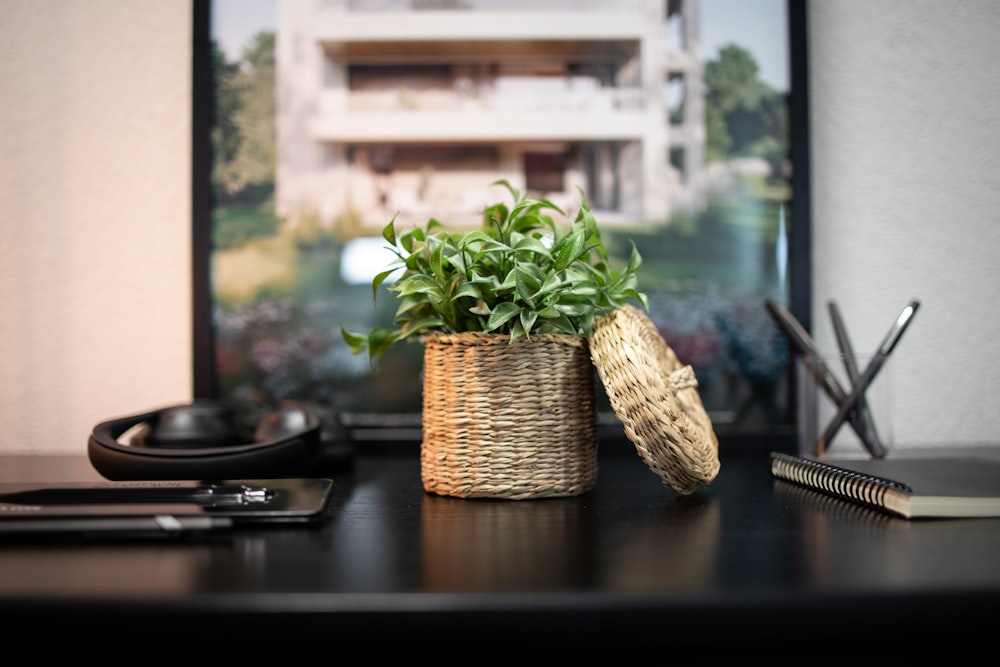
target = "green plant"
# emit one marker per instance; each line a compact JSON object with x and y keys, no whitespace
{"x":521,"y":273}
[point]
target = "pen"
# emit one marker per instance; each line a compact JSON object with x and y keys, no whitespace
{"x":92,"y":495}
{"x":160,"y":526}
{"x":877,"y":449}
{"x":827,"y":380}
{"x":873,"y":368}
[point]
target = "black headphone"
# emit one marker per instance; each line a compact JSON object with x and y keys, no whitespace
{"x":201,"y":440}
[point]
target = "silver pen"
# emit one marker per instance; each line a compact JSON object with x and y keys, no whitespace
{"x":205,"y":495}
{"x":158,"y":526}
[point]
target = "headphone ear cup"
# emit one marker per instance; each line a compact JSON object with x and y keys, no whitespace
{"x":201,"y":424}
{"x":283,"y":423}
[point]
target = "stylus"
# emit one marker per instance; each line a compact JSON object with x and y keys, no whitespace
{"x":801,"y":340}
{"x":160,"y":526}
{"x":873,"y":368}
{"x":876,"y":448}
{"x":131,"y":494}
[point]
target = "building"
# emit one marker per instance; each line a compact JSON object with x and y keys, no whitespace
{"x":414,"y":108}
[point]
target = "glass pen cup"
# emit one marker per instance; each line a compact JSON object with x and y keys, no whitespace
{"x":821,"y":383}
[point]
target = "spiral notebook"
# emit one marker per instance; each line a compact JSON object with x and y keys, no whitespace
{"x":912,"y":488}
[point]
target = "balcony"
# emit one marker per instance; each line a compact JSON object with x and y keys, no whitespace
{"x":508,"y":111}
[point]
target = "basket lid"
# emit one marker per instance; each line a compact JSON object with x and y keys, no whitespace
{"x":656,"y":399}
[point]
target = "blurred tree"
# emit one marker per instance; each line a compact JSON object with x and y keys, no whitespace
{"x":244,"y":131}
{"x":744,"y":116}
{"x":225,"y":133}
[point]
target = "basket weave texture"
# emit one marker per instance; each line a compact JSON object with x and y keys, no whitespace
{"x":511,"y":420}
{"x":656,"y":398}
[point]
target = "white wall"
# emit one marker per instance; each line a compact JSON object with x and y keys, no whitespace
{"x":95,"y":208}
{"x":905,"y":97}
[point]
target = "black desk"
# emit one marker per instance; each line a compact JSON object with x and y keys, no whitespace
{"x":747,"y":559}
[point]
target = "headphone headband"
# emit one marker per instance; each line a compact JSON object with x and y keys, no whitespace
{"x":282,"y":452}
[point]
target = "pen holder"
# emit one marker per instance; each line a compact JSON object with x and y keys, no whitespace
{"x":818,"y":400}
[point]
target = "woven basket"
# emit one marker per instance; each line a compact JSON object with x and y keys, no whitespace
{"x":508,"y":420}
{"x":656,"y":399}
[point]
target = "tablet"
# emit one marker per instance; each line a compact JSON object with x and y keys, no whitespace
{"x":159,"y":507}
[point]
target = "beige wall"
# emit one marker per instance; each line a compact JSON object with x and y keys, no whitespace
{"x":94,"y":208}
{"x":94,"y":215}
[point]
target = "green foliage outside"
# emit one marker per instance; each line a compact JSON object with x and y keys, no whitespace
{"x":243,"y":134}
{"x":236,"y":224}
{"x":744,"y":117}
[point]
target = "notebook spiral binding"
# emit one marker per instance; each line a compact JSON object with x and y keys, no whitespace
{"x":867,"y":489}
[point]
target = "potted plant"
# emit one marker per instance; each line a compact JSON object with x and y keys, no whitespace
{"x":504,"y":312}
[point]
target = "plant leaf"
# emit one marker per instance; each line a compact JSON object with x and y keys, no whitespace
{"x":389,"y":232}
{"x":379,"y":279}
{"x":528,"y":318}
{"x":501,"y":314}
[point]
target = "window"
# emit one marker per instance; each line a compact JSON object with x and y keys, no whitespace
{"x":292,"y":190}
